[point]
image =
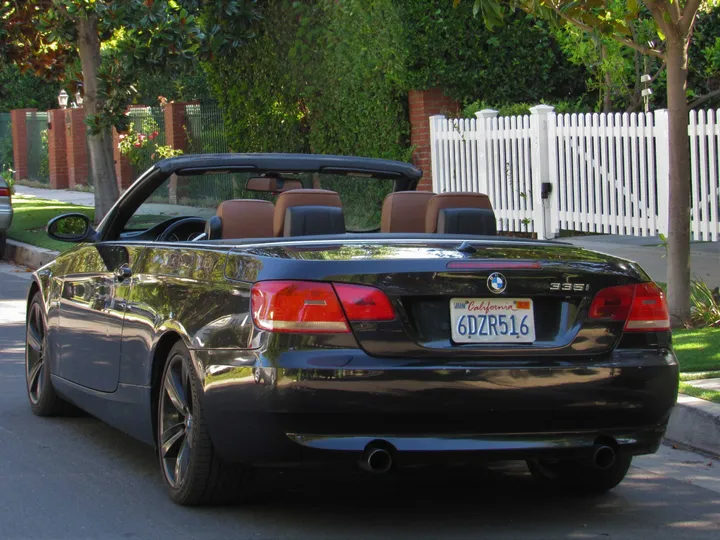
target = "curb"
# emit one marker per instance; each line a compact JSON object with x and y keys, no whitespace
{"x":695,"y":423}
{"x":26,"y":255}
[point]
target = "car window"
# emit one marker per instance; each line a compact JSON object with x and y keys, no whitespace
{"x":200,"y":196}
{"x":362,"y":199}
{"x":191,"y":196}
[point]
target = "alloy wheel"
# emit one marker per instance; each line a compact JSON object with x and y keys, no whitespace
{"x":35,"y":354}
{"x":176,"y":422}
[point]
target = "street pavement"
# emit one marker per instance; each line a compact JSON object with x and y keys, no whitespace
{"x":649,"y":253}
{"x":76,"y":478}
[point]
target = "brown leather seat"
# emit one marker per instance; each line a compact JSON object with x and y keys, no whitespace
{"x":404,"y":212}
{"x":246,"y":218}
{"x":453,"y":200}
{"x":301,"y":197}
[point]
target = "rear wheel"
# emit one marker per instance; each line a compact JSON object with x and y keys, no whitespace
{"x":191,"y":469}
{"x":3,"y":240}
{"x":579,"y":476}
{"x":43,"y":399}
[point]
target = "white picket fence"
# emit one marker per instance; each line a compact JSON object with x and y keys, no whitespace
{"x":608,"y":172}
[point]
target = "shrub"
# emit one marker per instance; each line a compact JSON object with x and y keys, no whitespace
{"x":704,"y":305}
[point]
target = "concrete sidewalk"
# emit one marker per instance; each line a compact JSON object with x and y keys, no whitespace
{"x":650,"y":254}
{"x":63,"y":195}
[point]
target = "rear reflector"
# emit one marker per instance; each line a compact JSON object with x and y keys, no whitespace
{"x":297,"y":307}
{"x":364,"y":303}
{"x":307,"y":307}
{"x":641,"y":306}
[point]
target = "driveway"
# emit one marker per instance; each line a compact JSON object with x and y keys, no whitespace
{"x":76,"y":478}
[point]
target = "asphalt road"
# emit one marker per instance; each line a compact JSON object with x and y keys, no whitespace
{"x":76,"y":478}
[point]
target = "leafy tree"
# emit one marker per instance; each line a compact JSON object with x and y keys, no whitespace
{"x":25,"y":90}
{"x":673,"y":22}
{"x":445,"y":47}
{"x":615,"y":70}
{"x":115,"y":41}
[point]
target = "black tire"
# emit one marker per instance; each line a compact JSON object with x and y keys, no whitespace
{"x":191,"y":469}
{"x":3,"y":239}
{"x":580,"y":477}
{"x":44,"y":401}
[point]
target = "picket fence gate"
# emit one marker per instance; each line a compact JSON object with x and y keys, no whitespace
{"x":601,"y":173}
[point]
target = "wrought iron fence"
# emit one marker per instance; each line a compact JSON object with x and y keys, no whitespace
{"x":205,"y":128}
{"x":37,"y":146}
{"x":6,"y":148}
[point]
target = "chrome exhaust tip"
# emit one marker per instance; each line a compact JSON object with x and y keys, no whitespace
{"x":376,"y":460}
{"x":603,"y":457}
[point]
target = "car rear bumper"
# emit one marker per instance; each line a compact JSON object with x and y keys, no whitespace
{"x":6,"y":217}
{"x":308,"y":409}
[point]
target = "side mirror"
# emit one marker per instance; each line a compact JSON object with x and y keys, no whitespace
{"x":70,"y":228}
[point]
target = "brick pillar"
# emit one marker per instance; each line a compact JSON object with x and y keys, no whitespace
{"x":20,"y":146}
{"x":423,"y":105}
{"x":176,"y":137}
{"x":76,"y":147}
{"x":123,"y":168}
{"x":57,"y":149}
{"x":175,"y":134}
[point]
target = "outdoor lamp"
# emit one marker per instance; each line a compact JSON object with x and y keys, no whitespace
{"x":78,"y":99}
{"x":63,"y":99}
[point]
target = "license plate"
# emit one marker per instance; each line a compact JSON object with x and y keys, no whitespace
{"x":492,"y":320}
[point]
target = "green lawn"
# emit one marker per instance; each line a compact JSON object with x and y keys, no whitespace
{"x":708,"y":395}
{"x":31,"y":216}
{"x":698,"y":352}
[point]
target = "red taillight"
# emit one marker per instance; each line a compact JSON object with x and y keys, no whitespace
{"x":641,"y":306}
{"x":613,"y":303}
{"x":309,"y":308}
{"x":364,"y":303}
{"x":649,"y":310}
{"x":297,"y":307}
{"x":4,"y":192}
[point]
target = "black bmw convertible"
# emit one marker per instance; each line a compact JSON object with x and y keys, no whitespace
{"x":247,"y":310}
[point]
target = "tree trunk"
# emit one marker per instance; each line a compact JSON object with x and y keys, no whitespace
{"x":100,"y":147}
{"x":679,"y":204}
{"x":607,"y":79}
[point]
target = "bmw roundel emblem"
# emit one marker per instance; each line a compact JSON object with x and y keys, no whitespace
{"x":496,"y":282}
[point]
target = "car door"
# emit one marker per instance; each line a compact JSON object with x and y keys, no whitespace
{"x":94,"y":295}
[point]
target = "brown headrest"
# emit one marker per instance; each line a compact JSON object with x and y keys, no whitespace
{"x":301,"y":197}
{"x":404,"y":212}
{"x":453,"y":200}
{"x":246,"y":218}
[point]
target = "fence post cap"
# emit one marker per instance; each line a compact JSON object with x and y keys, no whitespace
{"x":486,"y":113}
{"x":437,"y":116}
{"x":542,"y":109}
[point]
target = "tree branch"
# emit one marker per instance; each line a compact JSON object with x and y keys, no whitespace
{"x":623,"y":41}
{"x":688,"y":16}
{"x":673,"y":8}
{"x":702,"y":99}
{"x":658,"y":16}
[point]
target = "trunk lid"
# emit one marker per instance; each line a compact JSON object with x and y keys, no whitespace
{"x":425,"y":279}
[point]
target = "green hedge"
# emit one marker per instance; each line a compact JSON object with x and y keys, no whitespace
{"x":332,"y":76}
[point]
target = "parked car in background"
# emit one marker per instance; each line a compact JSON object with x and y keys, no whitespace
{"x":238,"y":311}
{"x":6,"y":212}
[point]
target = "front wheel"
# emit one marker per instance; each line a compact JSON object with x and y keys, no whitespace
{"x":191,"y":469}
{"x":579,"y":476}
{"x":44,"y":401}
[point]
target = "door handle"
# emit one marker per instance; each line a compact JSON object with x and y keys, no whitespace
{"x":123,"y":272}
